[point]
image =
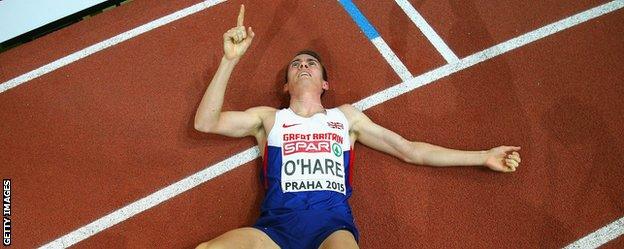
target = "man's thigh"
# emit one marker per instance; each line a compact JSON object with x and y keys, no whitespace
{"x":247,"y":237}
{"x":339,"y":239}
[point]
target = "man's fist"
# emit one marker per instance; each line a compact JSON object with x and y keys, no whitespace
{"x":503,"y":159}
{"x":237,"y":39}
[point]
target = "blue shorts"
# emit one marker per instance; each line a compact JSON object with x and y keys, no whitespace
{"x":304,"y":229}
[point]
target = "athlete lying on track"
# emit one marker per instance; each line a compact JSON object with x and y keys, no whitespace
{"x":306,"y":152}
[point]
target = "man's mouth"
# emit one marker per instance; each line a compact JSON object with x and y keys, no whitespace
{"x":302,"y":74}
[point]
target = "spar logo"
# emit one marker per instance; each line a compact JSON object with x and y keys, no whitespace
{"x":306,"y":147}
{"x":337,"y":149}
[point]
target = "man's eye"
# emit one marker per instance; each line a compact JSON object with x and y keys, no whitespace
{"x":295,"y":64}
{"x":312,"y":63}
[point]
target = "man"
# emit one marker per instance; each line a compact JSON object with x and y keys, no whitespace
{"x":307,"y":151}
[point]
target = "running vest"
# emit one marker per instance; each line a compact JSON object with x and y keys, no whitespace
{"x":307,"y":162}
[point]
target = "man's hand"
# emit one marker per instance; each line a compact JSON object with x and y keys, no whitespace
{"x":237,"y":39}
{"x":498,"y":159}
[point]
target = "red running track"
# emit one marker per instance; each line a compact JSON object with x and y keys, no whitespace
{"x":109,"y":129}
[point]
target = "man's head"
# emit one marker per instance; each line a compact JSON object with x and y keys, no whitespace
{"x":306,"y":71}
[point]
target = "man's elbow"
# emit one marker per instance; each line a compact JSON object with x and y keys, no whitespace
{"x":407,"y":159}
{"x":412,"y":159}
{"x":202,"y":126}
{"x":414,"y":154}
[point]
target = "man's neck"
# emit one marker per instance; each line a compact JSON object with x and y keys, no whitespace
{"x":306,"y":107}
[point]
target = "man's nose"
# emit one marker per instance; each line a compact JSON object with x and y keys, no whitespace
{"x":303,"y":65}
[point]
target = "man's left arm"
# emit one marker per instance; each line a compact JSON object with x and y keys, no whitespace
{"x":502,"y":158}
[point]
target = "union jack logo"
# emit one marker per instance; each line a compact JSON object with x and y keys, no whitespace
{"x":335,"y":125}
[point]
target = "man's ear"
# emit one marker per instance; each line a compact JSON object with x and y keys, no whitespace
{"x":325,"y":85}
{"x":285,"y":88}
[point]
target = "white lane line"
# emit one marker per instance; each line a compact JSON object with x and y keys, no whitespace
{"x":443,"y":71}
{"x":106,"y":43}
{"x":428,"y":31}
{"x":394,"y":61}
{"x":600,"y":236}
{"x":375,"y":99}
{"x":154,"y":199}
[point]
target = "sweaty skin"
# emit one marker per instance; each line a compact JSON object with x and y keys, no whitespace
{"x":305,"y":85}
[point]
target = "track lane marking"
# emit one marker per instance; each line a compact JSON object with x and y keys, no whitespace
{"x":428,"y":31}
{"x":252,"y":153}
{"x":600,"y":236}
{"x":487,"y":54}
{"x":371,"y":33}
{"x":154,"y":199}
{"x":394,"y":61}
{"x":106,"y":43}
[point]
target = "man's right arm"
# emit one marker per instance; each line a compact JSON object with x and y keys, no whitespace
{"x":209,"y":117}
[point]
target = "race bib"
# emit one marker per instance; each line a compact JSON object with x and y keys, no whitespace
{"x":313,"y":162}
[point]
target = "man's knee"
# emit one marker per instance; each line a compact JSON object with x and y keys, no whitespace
{"x":339,"y":239}
{"x":210,"y":245}
{"x":205,"y":245}
{"x":239,"y":238}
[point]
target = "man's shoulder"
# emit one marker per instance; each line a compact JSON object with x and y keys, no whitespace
{"x":262,"y":111}
{"x":349,"y":110}
{"x":352,"y":114}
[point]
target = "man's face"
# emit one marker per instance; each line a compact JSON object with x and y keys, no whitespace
{"x":304,"y":71}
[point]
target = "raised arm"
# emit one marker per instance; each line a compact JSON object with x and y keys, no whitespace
{"x":382,"y":139}
{"x":209,"y":117}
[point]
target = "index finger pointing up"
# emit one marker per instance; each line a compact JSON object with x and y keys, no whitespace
{"x":241,"y":16}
